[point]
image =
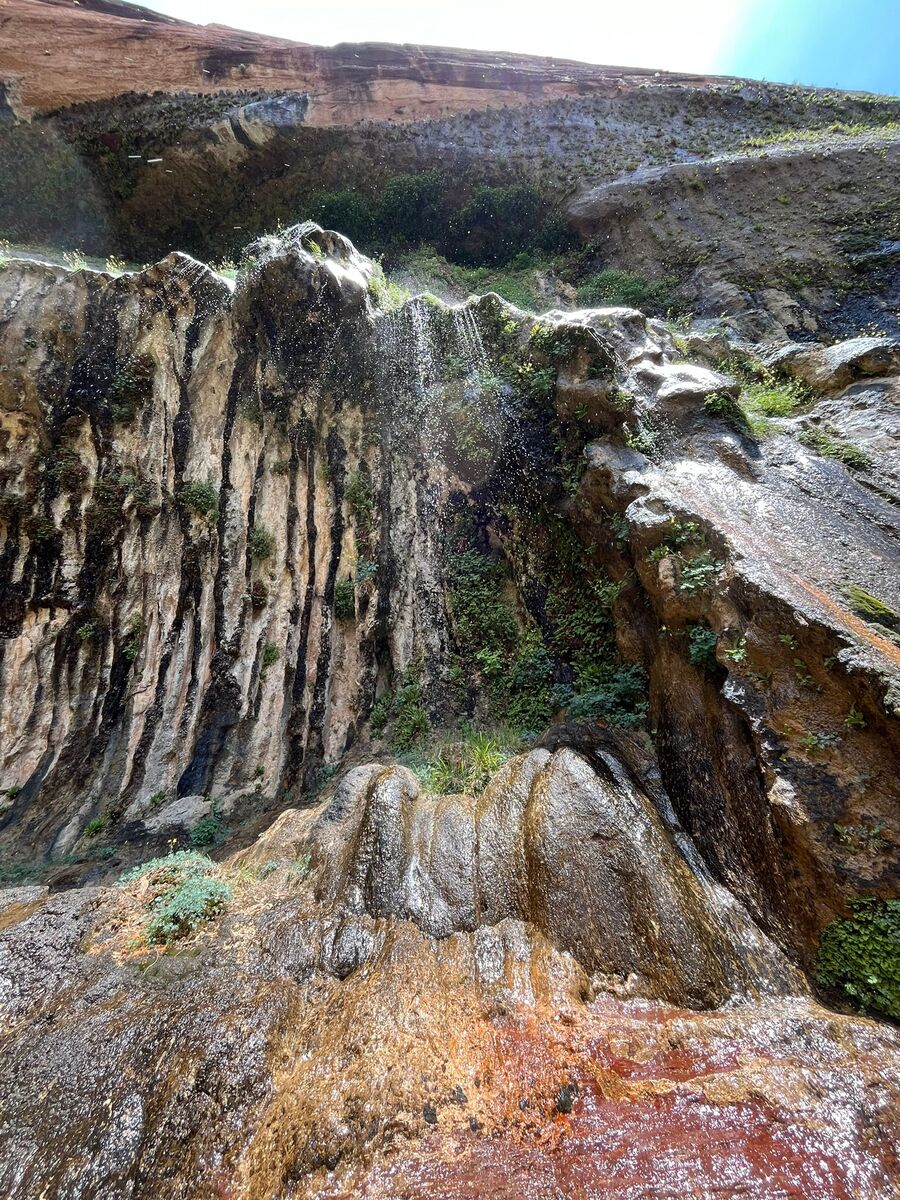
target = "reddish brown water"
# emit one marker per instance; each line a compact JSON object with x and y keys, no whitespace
{"x":669,"y":1106}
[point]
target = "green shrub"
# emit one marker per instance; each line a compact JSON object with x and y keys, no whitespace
{"x":622,"y":289}
{"x":345,"y":600}
{"x":495,"y":224}
{"x":208,"y":831}
{"x":381,"y":712}
{"x":410,"y":208}
{"x":860,"y":956}
{"x":188,"y":893}
{"x":200,"y":498}
{"x":702,"y":646}
{"x":618,"y":699}
{"x":261,"y":542}
{"x":343,"y":210}
{"x":410,"y":719}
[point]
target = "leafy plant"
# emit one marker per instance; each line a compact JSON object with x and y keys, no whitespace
{"x":860,"y":956}
{"x":209,"y":830}
{"x":854,"y":718}
{"x":738,"y":652}
{"x":261,"y":542}
{"x":345,"y":600}
{"x":698,"y":574}
{"x":200,"y":498}
{"x":95,"y":825}
{"x":186,"y":891}
{"x":819,"y":741}
{"x":702,"y":643}
{"x":862,"y":838}
{"x":366,"y":571}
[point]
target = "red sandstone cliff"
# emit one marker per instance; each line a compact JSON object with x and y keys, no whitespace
{"x":123,"y":47}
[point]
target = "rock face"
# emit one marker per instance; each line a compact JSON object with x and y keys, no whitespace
{"x":254,"y":537}
{"x":127,"y":48}
{"x":127,"y":133}
{"x":316,"y":1042}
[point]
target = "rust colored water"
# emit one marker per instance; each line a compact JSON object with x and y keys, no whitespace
{"x":667,"y":1106}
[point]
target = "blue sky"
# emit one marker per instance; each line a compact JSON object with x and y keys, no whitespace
{"x":851,"y":43}
{"x":847,"y":43}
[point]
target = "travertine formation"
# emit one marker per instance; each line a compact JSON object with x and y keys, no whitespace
{"x":237,"y":531}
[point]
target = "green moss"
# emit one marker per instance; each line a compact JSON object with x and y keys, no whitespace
{"x":831,"y":447}
{"x":131,"y":388}
{"x":859,"y":956}
{"x":871,"y":608}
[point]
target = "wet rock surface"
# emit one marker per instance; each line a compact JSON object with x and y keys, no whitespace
{"x":260,"y":546}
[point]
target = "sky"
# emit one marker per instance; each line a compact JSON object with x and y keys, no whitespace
{"x":845,"y":43}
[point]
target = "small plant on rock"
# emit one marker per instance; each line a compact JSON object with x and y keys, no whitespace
{"x":698,"y":574}
{"x":177,"y":894}
{"x":702,"y":646}
{"x":95,"y":825}
{"x":200,"y":498}
{"x":261,"y":542}
{"x":345,"y":600}
{"x":209,"y":830}
{"x":860,"y":956}
{"x":270,"y":656}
